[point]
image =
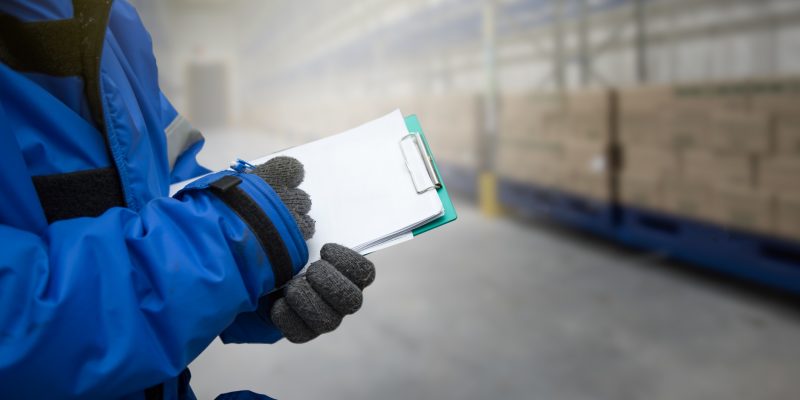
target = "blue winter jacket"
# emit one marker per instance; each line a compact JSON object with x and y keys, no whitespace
{"x":109,"y":288}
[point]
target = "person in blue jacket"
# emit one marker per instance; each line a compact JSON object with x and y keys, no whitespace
{"x":109,"y":288}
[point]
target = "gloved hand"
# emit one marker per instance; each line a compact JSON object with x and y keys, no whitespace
{"x":317,"y":302}
{"x":314,"y":303}
{"x":284,"y":175}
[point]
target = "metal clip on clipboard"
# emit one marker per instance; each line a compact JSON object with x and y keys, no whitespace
{"x":419,"y":163}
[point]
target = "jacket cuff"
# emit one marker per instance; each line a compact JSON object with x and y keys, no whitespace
{"x":260,"y":209}
{"x":253,"y":327}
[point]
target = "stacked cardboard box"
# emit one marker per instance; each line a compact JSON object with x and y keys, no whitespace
{"x":777,"y":151}
{"x":527,"y":151}
{"x":727,"y":153}
{"x":588,"y":141}
{"x":779,"y":176}
{"x":557,"y":142}
{"x":647,"y":163}
{"x":788,"y":216}
{"x":452,"y":125}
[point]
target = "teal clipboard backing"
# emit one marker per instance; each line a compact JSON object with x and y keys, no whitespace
{"x":450,"y":215}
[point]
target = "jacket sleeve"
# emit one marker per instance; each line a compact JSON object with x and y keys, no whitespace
{"x":100,"y":307}
{"x":184,"y":142}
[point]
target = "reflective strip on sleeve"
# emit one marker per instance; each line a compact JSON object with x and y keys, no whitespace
{"x":180,"y":136}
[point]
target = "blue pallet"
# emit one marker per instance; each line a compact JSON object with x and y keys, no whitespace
{"x":759,"y":258}
{"x":746,"y":255}
{"x":527,"y":199}
{"x":459,"y":179}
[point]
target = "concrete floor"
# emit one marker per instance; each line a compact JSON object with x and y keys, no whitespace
{"x":517,"y":310}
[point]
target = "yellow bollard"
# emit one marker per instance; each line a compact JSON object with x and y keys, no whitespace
{"x":487,"y":195}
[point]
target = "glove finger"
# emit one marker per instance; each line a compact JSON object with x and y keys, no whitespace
{"x":306,"y":224}
{"x":312,"y":309}
{"x":281,"y":171}
{"x":295,"y":199}
{"x":338,"y":291}
{"x":351,"y":264}
{"x":289,"y":323}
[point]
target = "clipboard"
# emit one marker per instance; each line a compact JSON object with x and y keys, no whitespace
{"x":382,"y":168}
{"x":450,"y":214}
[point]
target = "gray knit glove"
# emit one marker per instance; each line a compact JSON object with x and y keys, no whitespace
{"x":314,"y":303}
{"x":284,"y":175}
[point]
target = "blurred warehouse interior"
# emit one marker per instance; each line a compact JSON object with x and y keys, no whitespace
{"x":323,"y":52}
{"x":511,"y":71}
{"x":686,"y":108}
{"x":671,"y":126}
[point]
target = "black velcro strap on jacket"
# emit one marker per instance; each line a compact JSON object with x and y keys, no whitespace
{"x":155,"y":392}
{"x":67,"y":47}
{"x":228,"y":190}
{"x":79,"y":194}
{"x":47,"y":47}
